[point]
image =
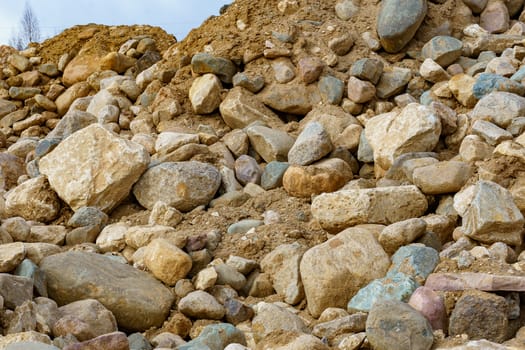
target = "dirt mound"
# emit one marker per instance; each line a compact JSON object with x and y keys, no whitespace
{"x":96,"y":38}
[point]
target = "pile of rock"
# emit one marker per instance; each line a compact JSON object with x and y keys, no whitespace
{"x":411,"y":158}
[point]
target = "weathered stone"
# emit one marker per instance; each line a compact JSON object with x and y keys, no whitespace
{"x":273,"y":173}
{"x":473,"y":280}
{"x":325,"y":176}
{"x":251,"y":83}
{"x":360,"y":91}
{"x":367,"y":69}
{"x":442,"y":177}
{"x":116,"y":62}
{"x":85,"y":319}
{"x":393,"y":82}
{"x":182,"y":185}
{"x":205,"y":94}
{"x":216,"y":337}
{"x":33,"y":200}
{"x":114,"y":341}
{"x":500,"y":108}
{"x":382,"y":205}
{"x":29,"y":269}
{"x":432,"y":71}
{"x":202,"y":63}
{"x":141,"y":236}
{"x":480,"y":315}
{"x":415,"y":129}
{"x":270,"y":317}
{"x":490,"y":133}
{"x":312,"y":144}
{"x":391,"y":323}
{"x":75,"y":276}
{"x":94,"y":168}
{"x":270,"y":144}
{"x":291,"y":340}
{"x":240,"y":108}
{"x":64,"y":101}
{"x":401,"y":233}
{"x":15,"y":290}
{"x":227,"y":275}
{"x":19,"y":62}
{"x":489,"y":214}
{"x":310,"y":68}
{"x":495,"y":17}
{"x":341,"y":45}
{"x":247,"y":170}
{"x":30,"y":345}
{"x":414,"y":260}
{"x":6,"y":107}
{"x":70,"y":123}
{"x":166,"y":261}
{"x":284,"y":70}
{"x":443,"y":50}
{"x":397,"y":22}
{"x":462,"y":86}
{"x":11,"y":255}
{"x":199,"y":304}
{"x":353,"y":251}
{"x":476,"y":5}
{"x":23,"y":93}
{"x":290,"y":98}
{"x":80,"y":68}
{"x":282,"y":264}
{"x":340,"y":325}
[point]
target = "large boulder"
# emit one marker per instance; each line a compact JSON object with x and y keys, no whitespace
{"x":136,"y":298}
{"x":94,"y":168}
{"x":182,"y":185}
{"x":334,"y":271}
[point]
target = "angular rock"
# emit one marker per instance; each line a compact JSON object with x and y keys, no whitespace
{"x":273,"y":173}
{"x":75,"y":276}
{"x":442,"y":177}
{"x":290,"y":98}
{"x":310,"y":68}
{"x":240,"y":108}
{"x":85,"y":319}
{"x":431,"y":305}
{"x":15,"y":290}
{"x":367,"y":69}
{"x":202,"y":63}
{"x":291,"y":340}
{"x":360,"y":91}
{"x":166,"y":261}
{"x":199,"y":304}
{"x":270,"y":317}
{"x":312,"y":144}
{"x":398,"y":21}
{"x":227,"y":275}
{"x":216,"y":337}
{"x":11,"y":255}
{"x":501,"y":108}
{"x":325,"y":176}
{"x":382,"y":205}
{"x":443,"y":50}
{"x":414,"y":260}
{"x":462,"y":86}
{"x":432,"y":71}
{"x":270,"y":144}
{"x":282,"y":264}
{"x":205,"y":94}
{"x":480,"y":315}
{"x":353,"y":251}
{"x":33,"y":200}
{"x":140,"y":236}
{"x":490,"y":133}
{"x":489,"y":214}
{"x":415,"y":129}
{"x":401,"y":233}
{"x":182,"y":185}
{"x":116,"y":62}
{"x":393,"y":82}
{"x":331,"y":89}
{"x":94,"y":167}
{"x":473,"y":280}
{"x":489,"y":82}
{"x":66,"y":99}
{"x":394,"y":325}
{"x":495,"y":17}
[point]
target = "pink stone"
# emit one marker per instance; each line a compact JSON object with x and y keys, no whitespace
{"x":474,"y":280}
{"x":495,"y":17}
{"x":310,"y":69}
{"x":360,"y":91}
{"x":430,"y":305}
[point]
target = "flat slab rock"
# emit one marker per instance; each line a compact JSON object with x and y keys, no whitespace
{"x":137,"y":300}
{"x":475,"y":280}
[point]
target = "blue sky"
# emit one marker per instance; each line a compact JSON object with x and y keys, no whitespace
{"x":177,"y":17}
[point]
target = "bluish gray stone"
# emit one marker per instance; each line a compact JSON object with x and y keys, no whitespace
{"x":488,"y":82}
{"x":253,"y":84}
{"x":414,"y":260}
{"x":29,"y":269}
{"x":215,"y":337}
{"x":519,"y":75}
{"x":223,"y":68}
{"x":312,"y":144}
{"x":88,"y":216}
{"x":444,"y":50}
{"x":367,"y":69}
{"x":45,"y":146}
{"x":394,"y":325}
{"x":426,"y":98}
{"x":331,"y":89}
{"x":365,"y":153}
{"x":138,"y":342}
{"x":272,"y":176}
{"x":397,"y":286}
{"x":398,"y":21}
{"x":393,"y":83}
{"x":72,"y":121}
{"x":244,"y":225}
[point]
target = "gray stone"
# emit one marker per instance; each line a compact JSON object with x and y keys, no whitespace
{"x":331,"y":89}
{"x":273,"y":173}
{"x":367,"y":69}
{"x":244,"y":226}
{"x":381,"y":205}
{"x":500,"y":108}
{"x":393,"y":82}
{"x":442,"y":177}
{"x":247,"y":170}
{"x":227,"y":275}
{"x":394,"y":325}
{"x":346,"y":9}
{"x":182,"y":185}
{"x":312,"y":144}
{"x":75,"y":276}
{"x":199,"y":304}
{"x":489,"y":82}
{"x":476,"y":5}
{"x":215,"y":337}
{"x":30,"y":345}
{"x":251,"y":83}
{"x":444,"y":50}
{"x":401,"y":233}
{"x":71,"y":122}
{"x":270,"y":144}
{"x":414,"y":260}
{"x":23,"y":93}
{"x":15,"y":290}
{"x":202,"y":63}
{"x":29,"y":269}
{"x":6,"y":107}
{"x":398,"y":21}
{"x":490,"y":133}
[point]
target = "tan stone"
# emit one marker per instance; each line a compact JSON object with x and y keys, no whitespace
{"x":383,"y":205}
{"x":360,"y":91}
{"x":116,"y":62}
{"x":442,"y":177}
{"x":141,"y":236}
{"x":112,"y":237}
{"x":241,"y":108}
{"x":205,"y":94}
{"x":401,"y":233}
{"x":80,"y":68}
{"x":52,"y":234}
{"x":415,"y":129}
{"x":94,"y":167}
{"x":64,"y":101}
{"x":270,"y":144}
{"x":166,"y":261}
{"x":325,"y":176}
{"x":359,"y":259}
{"x":33,"y":200}
{"x":462,"y":86}
{"x":11,"y":254}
